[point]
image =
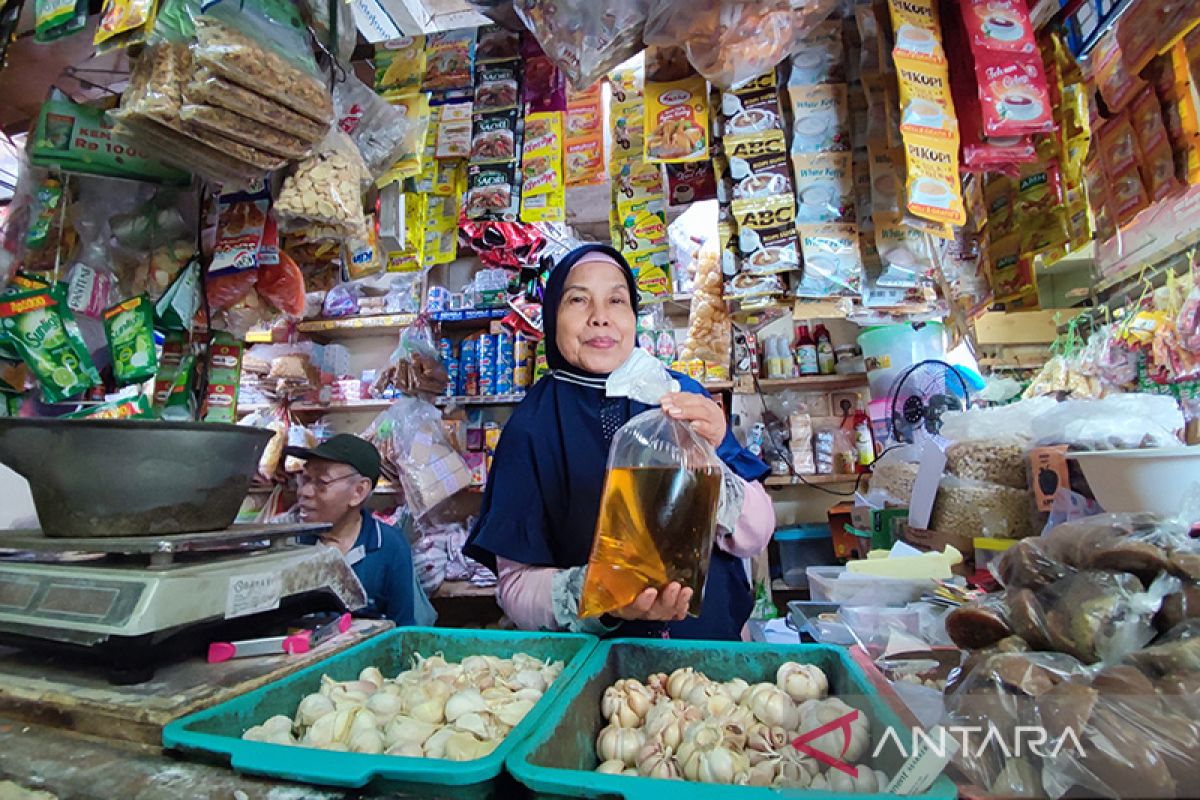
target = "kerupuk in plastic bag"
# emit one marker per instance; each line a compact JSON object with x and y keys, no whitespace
{"x":658,"y":514}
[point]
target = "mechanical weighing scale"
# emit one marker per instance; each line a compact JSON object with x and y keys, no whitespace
{"x":131,"y":603}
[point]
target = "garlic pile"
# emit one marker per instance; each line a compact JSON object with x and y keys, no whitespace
{"x":437,"y":709}
{"x":684,"y":726}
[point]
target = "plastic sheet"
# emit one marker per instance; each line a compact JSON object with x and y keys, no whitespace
{"x":657,"y":514}
{"x":282,"y":285}
{"x":327,"y":188}
{"x":729,"y":42}
{"x":585,"y":39}
{"x":1117,"y":422}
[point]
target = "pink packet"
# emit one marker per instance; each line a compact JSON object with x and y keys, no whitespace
{"x":1013,"y":94}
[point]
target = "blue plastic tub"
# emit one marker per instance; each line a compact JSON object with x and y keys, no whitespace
{"x":559,"y":759}
{"x":216,"y":732}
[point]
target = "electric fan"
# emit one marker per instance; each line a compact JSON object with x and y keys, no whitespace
{"x":920,"y":396}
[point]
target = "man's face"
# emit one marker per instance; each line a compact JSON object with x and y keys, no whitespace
{"x":329,"y":491}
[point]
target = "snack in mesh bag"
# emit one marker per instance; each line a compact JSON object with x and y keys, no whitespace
{"x":231,"y":125}
{"x":326,"y":188}
{"x":236,"y":57}
{"x":205,"y":88}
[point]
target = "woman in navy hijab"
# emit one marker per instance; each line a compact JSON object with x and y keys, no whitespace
{"x":543,"y":496}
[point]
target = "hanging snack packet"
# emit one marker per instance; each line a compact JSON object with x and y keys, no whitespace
{"x":676,"y":120}
{"x":824,"y":187}
{"x":494,"y":137}
{"x":767,"y":234}
{"x":933,"y":186}
{"x":926,"y":106}
{"x":832,"y":261}
{"x":55,"y":19}
{"x":758,"y":165}
{"x":123,"y":23}
{"x":400,"y":65}
{"x":822,"y":118}
{"x":34,"y":324}
{"x":497,"y":86}
{"x":129,"y":329}
{"x":819,"y":57}
{"x":1013,"y":93}
{"x":918,"y":31}
{"x":998,"y":25}
{"x":752,"y":108}
{"x":497,"y":44}
{"x":657,"y":515}
{"x":652,"y":271}
{"x":453,"y":131}
{"x":450,"y":59}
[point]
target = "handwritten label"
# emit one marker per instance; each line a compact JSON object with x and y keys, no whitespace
{"x":250,"y":594}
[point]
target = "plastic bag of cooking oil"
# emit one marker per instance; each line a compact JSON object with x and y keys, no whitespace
{"x":658,"y":514}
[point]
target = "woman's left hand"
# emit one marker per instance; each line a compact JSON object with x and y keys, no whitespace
{"x":704,"y":414}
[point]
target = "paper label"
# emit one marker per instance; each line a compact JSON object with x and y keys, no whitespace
{"x":924,"y":765}
{"x":251,"y":594}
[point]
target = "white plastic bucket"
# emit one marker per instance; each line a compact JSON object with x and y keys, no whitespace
{"x":891,"y":349}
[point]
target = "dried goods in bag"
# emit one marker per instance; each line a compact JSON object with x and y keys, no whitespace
{"x":326,"y":188}
{"x":657,"y":516}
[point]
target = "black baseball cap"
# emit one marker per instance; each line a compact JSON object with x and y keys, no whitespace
{"x":345,"y":448}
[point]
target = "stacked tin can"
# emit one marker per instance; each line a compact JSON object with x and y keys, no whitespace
{"x":504,"y":363}
{"x":487,"y":364}
{"x":468,"y":368}
{"x":446,"y":353}
{"x":522,"y":363}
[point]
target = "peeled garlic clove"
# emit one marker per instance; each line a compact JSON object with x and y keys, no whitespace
{"x":412,"y":696}
{"x":373,"y":676}
{"x":476,"y":664}
{"x":258,"y":733}
{"x":465,"y":701}
{"x":403,"y":729}
{"x":435,"y":745}
{"x":320,"y":733}
{"x":533,"y":695}
{"x":465,"y":747}
{"x":406,"y":748}
{"x":432,"y":710}
{"x":614,"y":767}
{"x":513,"y":712}
{"x":364,"y":720}
{"x":366,"y":741}
{"x":384,"y":706}
{"x":472,"y":723}
{"x":494,"y":693}
{"x":312,"y":708}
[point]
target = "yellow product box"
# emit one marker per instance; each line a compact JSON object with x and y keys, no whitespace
{"x":676,"y":121}
{"x":933,"y":189}
{"x":544,"y":207}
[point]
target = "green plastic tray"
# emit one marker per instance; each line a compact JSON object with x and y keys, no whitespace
{"x":216,"y":732}
{"x":559,"y":759}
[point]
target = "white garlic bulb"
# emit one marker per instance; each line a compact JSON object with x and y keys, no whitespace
{"x":835,"y":743}
{"x":373,"y":676}
{"x":620,"y":743}
{"x":312,"y":708}
{"x":614,"y":767}
{"x":406,"y":748}
{"x":802,"y":681}
{"x":735,"y":689}
{"x":384,"y":706}
{"x":464,"y":701}
{"x":773,"y":707}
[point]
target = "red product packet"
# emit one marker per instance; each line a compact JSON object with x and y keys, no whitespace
{"x":1128,"y":194}
{"x":1109,"y":69}
{"x":998,"y":26}
{"x":1158,"y":168}
{"x":1147,"y":118}
{"x":1118,"y":145}
{"x":1013,"y":93}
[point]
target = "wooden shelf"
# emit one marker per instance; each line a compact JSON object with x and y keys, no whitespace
{"x":718,"y":386}
{"x":481,"y":400}
{"x":813,"y":480}
{"x":317,"y":408}
{"x":352,"y":327}
{"x":816,"y":383}
{"x":456,"y":589}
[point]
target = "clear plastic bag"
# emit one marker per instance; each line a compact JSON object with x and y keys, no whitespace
{"x":710,"y":331}
{"x":658,"y":514}
{"x":231,"y":125}
{"x":326,"y":189}
{"x":205,"y":88}
{"x":585,"y":39}
{"x":989,"y":444}
{"x":976,"y":508}
{"x":412,"y":441}
{"x":1116,"y":422}
{"x":380,"y":130}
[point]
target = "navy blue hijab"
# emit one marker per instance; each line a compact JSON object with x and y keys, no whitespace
{"x":543,"y":494}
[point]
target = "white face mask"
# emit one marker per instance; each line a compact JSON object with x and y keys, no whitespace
{"x":642,"y":378}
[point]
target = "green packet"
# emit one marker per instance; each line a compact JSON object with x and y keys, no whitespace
{"x":79,"y":138}
{"x":136,"y":408}
{"x":47,"y":201}
{"x":177,"y":307}
{"x":180,"y":404}
{"x":21,"y":282}
{"x":56,"y":19}
{"x":129,"y":329}
{"x":40,"y":328}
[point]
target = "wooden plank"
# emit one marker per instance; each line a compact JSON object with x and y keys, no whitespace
{"x":813,"y":383}
{"x":1020,"y":327}
{"x":39,"y":690}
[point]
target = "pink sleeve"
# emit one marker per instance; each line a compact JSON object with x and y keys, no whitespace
{"x":525,"y":594}
{"x":754,"y":526}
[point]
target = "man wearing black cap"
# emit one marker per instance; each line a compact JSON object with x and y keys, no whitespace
{"x":337,"y":481}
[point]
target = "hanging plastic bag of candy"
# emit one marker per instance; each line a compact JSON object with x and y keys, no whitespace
{"x":658,"y":514}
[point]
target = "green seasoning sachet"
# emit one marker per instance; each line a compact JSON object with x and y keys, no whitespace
{"x":129,"y":328}
{"x":54,"y":19}
{"x":34,"y":324}
{"x":180,"y":404}
{"x":178,"y":305}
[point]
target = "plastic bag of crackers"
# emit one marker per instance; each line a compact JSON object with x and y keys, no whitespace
{"x":710,"y":331}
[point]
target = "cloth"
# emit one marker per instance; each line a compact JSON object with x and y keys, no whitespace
{"x":382,"y":560}
{"x":543,"y":496}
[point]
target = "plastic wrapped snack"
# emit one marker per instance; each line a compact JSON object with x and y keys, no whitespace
{"x":326,"y":188}
{"x":243,"y":130}
{"x":657,"y":515}
{"x":379,"y":129}
{"x":990,"y":444}
{"x":241,"y":59}
{"x":205,"y":88}
{"x":585,"y":39}
{"x":729,"y":42}
{"x":414,"y":447}
{"x":710,"y":332}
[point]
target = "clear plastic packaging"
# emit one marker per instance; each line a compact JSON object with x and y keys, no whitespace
{"x":975,"y":508}
{"x":245,"y":131}
{"x":326,"y":188}
{"x":710,"y":332}
{"x":1116,"y":422}
{"x":380,"y":130}
{"x":658,"y":514}
{"x":585,"y":39}
{"x":205,"y":88}
{"x":989,"y":444}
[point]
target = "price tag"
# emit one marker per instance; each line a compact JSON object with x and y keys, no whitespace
{"x":250,"y":594}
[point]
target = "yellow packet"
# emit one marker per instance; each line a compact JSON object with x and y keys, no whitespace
{"x":415,"y":108}
{"x":542,"y":155}
{"x":400,"y":65}
{"x":545,"y":207}
{"x":926,"y":108}
{"x":676,"y":120}
{"x":585,"y":160}
{"x":918,"y":32}
{"x":652,"y":272}
{"x":766,"y":234}
{"x":998,"y":197}
{"x":637,"y":180}
{"x":441,"y":230}
{"x":643,"y":226}
{"x":933,"y":189}
{"x":123,"y":23}
{"x":628,"y":134}
{"x":411,"y":258}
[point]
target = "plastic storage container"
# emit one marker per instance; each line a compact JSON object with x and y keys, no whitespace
{"x":801,"y":547}
{"x":836,"y":585}
{"x":821,"y":621}
{"x":559,"y":759}
{"x":891,"y":349}
{"x":218,"y":730}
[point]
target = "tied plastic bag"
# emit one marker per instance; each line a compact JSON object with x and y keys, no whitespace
{"x":414,"y":448}
{"x":380,"y":130}
{"x":658,"y":514}
{"x":585,"y":39}
{"x":1116,"y":422}
{"x":989,"y":444}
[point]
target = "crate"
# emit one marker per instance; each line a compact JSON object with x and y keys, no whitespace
{"x":216,"y":732}
{"x":559,"y":759}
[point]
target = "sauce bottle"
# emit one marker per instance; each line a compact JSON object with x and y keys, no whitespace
{"x":826,"y":360}
{"x":806,"y":351}
{"x":864,"y":439}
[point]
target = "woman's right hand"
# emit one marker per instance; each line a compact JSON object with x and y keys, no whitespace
{"x":671,"y":604}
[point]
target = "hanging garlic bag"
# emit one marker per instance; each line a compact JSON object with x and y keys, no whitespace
{"x":658,"y":514}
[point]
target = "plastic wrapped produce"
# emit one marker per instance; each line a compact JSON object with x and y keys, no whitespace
{"x":206,"y":88}
{"x":1117,"y":422}
{"x":990,"y":444}
{"x":975,"y":508}
{"x":413,"y":444}
{"x":657,"y":514}
{"x":1142,"y":544}
{"x":1026,"y":565}
{"x":380,"y":130}
{"x":245,"y":131}
{"x":326,"y":188}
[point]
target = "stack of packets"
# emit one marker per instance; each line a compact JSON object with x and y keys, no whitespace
{"x":585,"y":136}
{"x":822,"y":159}
{"x":638,"y":221}
{"x":754,"y":178}
{"x":494,"y":174}
{"x":928,"y":123}
{"x":544,"y":179}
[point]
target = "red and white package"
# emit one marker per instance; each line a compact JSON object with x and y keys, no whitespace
{"x":998,"y":25}
{"x":1013,"y":94}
